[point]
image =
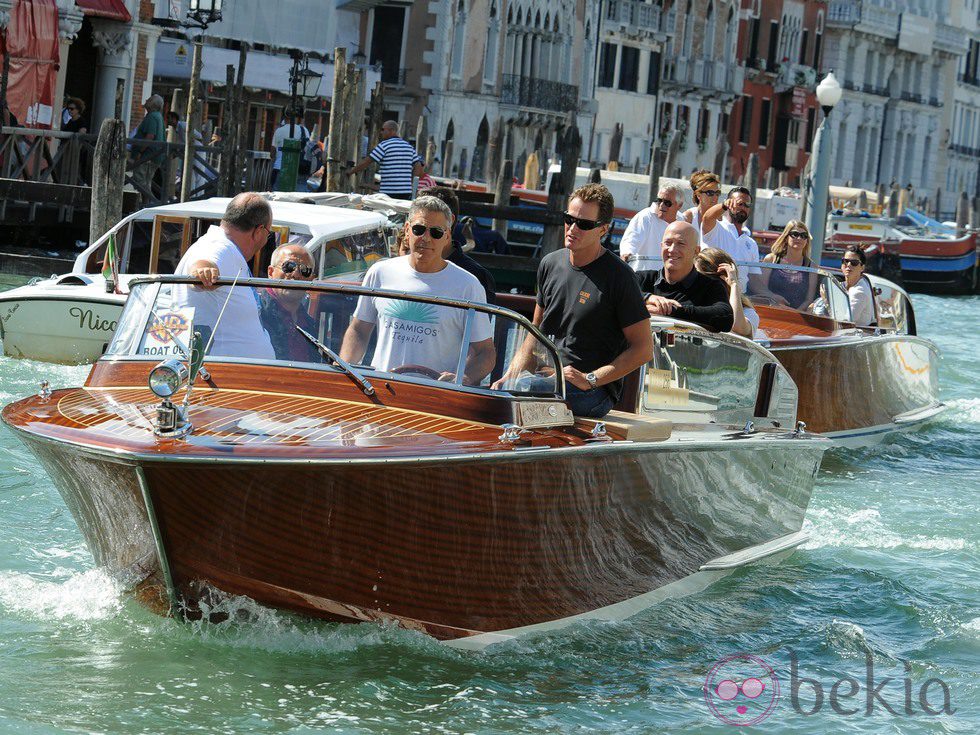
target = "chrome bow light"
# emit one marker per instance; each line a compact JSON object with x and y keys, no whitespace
{"x":165,"y":380}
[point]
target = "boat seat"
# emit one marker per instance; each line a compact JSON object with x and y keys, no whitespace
{"x":630,"y":426}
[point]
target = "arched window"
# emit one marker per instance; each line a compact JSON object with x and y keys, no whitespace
{"x":731,"y":34}
{"x":493,"y":39}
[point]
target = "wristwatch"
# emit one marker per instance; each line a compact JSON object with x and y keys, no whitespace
{"x":593,"y":380}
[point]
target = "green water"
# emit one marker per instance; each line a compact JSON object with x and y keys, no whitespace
{"x":890,"y":571}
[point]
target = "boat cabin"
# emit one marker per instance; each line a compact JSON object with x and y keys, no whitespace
{"x":153,"y":240}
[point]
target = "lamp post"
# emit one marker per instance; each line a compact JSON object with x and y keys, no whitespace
{"x":828,"y":94}
{"x":305,"y":83}
{"x":200,"y":14}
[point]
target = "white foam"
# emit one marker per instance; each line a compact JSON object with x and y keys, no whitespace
{"x":864,"y":529}
{"x":964,"y":408}
{"x":90,"y":595}
{"x":973,"y":625}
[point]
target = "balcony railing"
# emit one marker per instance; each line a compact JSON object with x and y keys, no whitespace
{"x":871,"y":18}
{"x":965,"y":79}
{"x":965,"y":150}
{"x":875,"y":90}
{"x":704,"y":74}
{"x":951,"y":39}
{"x":543,"y":94}
{"x":913,"y":97}
{"x":634,"y":14}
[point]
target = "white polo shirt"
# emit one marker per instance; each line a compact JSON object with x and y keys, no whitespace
{"x":642,"y":238}
{"x":738,"y":244}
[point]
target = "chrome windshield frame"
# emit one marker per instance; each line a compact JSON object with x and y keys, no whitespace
{"x":358,"y":290}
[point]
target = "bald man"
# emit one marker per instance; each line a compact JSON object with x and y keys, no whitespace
{"x":397,"y":162}
{"x":282,"y":309}
{"x":677,"y":290}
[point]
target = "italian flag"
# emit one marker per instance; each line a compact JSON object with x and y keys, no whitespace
{"x":110,"y":264}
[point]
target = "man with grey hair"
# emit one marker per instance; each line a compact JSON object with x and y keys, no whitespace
{"x":283,"y":309}
{"x":640,"y":245}
{"x":147,"y":159}
{"x":397,"y":162}
{"x":225,"y":251}
{"x":424,"y":340}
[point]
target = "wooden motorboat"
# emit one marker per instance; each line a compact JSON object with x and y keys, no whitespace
{"x":856,"y":385}
{"x":70,"y":318}
{"x":367,"y":492}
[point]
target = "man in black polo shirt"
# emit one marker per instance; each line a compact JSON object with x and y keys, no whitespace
{"x":679,"y":291}
{"x":454,"y":250}
{"x":591,"y":307}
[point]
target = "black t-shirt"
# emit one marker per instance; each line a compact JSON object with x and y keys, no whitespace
{"x":586,"y":309}
{"x":464,"y":261}
{"x":704,"y":300}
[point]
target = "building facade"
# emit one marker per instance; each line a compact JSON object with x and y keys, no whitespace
{"x":897,"y":62}
{"x":962,"y":174}
{"x":775,"y":116}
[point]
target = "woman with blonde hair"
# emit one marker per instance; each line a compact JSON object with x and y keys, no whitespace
{"x":707,"y":188}
{"x":719,"y":264}
{"x":791,"y":288}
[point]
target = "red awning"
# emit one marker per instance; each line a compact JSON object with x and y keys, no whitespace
{"x":113,"y":9}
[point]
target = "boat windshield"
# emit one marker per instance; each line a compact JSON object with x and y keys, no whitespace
{"x":454,"y":343}
{"x":812,"y":291}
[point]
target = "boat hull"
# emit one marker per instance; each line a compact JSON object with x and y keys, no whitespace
{"x":472,"y":548}
{"x":859,"y":390}
{"x":76,"y":327}
{"x":939,"y":266}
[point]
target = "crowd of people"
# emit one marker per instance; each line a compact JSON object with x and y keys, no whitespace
{"x":695,"y":266}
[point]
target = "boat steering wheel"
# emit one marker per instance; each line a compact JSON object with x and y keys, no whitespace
{"x":425,"y":372}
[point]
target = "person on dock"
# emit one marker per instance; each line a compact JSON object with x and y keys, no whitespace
{"x":281,"y":310}
{"x":677,"y":290}
{"x":422,"y":338}
{"x":645,"y":231}
{"x":589,"y":303}
{"x":77,"y":122}
{"x":397,"y":161}
{"x":224,"y":251}
{"x":292,"y":128}
{"x":148,"y":159}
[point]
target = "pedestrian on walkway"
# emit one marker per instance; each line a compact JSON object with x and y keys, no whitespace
{"x":397,"y":162}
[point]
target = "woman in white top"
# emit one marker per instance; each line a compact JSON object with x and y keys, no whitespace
{"x":858,"y":289}
{"x":707,"y":188}
{"x":717,"y":263}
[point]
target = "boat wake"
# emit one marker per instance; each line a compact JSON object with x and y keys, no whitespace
{"x":864,"y":529}
{"x":83,"y":596}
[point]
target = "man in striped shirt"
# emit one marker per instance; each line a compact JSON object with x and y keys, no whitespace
{"x":397,"y":162}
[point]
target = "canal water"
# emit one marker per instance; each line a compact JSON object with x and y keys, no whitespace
{"x":873,"y":621}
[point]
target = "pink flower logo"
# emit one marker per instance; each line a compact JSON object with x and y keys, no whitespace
{"x":741,"y":690}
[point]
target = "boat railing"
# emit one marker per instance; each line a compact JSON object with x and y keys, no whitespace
{"x":328,"y":310}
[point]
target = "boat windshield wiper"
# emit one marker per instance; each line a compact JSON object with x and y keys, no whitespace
{"x":340,"y":362}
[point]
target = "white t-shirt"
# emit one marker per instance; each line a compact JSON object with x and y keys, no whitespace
{"x":862,"y":303}
{"x":414,"y":333}
{"x":738,"y":244}
{"x":752,"y":317}
{"x":240,"y":333}
{"x":643,"y":237}
{"x":282,"y":135}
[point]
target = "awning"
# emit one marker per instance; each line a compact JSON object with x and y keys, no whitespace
{"x":112,"y":9}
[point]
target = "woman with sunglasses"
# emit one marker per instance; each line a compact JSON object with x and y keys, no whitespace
{"x":707,"y":188}
{"x":787,"y":287}
{"x":76,"y":122}
{"x":858,"y":288}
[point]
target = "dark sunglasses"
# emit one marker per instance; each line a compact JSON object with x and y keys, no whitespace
{"x":665,"y":202}
{"x":710,"y":192}
{"x":848,"y":261}
{"x":289,"y":266}
{"x":583,"y":224}
{"x":797,"y":233}
{"x":436,"y":232}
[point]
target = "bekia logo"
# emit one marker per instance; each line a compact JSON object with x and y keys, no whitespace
{"x":743,"y":690}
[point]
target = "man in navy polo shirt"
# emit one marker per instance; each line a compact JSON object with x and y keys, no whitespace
{"x":397,"y":162}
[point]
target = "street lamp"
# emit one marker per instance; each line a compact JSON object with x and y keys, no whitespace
{"x":828,"y":95}
{"x":202,"y":13}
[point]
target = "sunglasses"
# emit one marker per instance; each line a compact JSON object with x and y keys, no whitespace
{"x":436,"y":232}
{"x":728,"y":689}
{"x":797,"y":233}
{"x":665,"y":202}
{"x":710,"y":192}
{"x":72,"y":109}
{"x":583,"y":224}
{"x":849,"y":261}
{"x":290,"y":266}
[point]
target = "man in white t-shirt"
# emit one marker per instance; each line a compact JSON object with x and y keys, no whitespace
{"x":723,"y":227}
{"x":645,"y":232}
{"x":415,"y":337}
{"x":224,"y":252}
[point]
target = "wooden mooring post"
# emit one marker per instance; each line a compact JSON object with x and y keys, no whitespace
{"x":108,"y":173}
{"x":569,"y":150}
{"x":335,"y":144}
{"x":501,"y":195}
